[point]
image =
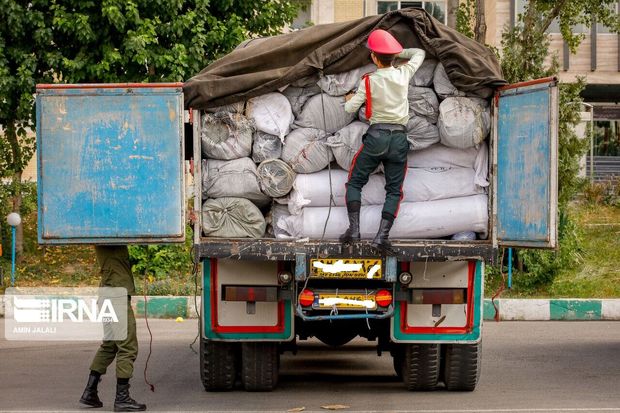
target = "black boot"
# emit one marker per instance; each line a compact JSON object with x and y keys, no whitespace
{"x":90,"y":396}
{"x":381,"y":240}
{"x":123,"y":402}
{"x":353,"y":232}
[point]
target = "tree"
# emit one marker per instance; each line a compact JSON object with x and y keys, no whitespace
{"x":74,"y":41}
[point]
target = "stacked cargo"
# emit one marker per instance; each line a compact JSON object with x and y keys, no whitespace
{"x":283,"y":158}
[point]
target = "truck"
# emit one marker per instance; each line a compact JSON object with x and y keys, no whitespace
{"x":111,"y":171}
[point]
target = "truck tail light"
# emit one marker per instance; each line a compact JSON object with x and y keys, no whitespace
{"x":250,"y":293}
{"x":383,"y":298}
{"x":439,"y":296}
{"x":306,"y":298}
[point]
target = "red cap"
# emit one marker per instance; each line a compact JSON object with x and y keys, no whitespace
{"x":382,"y":42}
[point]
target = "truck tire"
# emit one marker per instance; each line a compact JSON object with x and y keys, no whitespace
{"x":218,"y":363}
{"x":462,"y":366}
{"x":259,"y":366}
{"x":420,"y":366}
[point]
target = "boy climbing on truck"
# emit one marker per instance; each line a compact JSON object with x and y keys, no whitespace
{"x":387,"y":109}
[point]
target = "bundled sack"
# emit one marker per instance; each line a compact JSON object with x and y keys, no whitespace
{"x":442,"y":84}
{"x":226,"y":135}
{"x":342,"y":83}
{"x":275,"y":177}
{"x":441,"y":156}
{"x":424,"y":75}
{"x":271,"y":113}
{"x":432,"y":219}
{"x":232,"y":218}
{"x":463,"y":122}
{"x":298,"y":96}
{"x":265,"y":147}
{"x":306,"y":150}
{"x":277,"y":213}
{"x":423,"y":102}
{"x":421,"y":133}
{"x":324,"y":112}
{"x":236,"y":178}
{"x":421,"y":184}
{"x":346,"y":143}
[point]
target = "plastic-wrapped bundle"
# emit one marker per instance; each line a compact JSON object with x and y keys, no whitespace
{"x":298,"y":96}
{"x":463,"y":122}
{"x":423,"y":102}
{"x":346,"y":142}
{"x":432,"y":219}
{"x":265,"y":147}
{"x":277,"y":213}
{"x":271,"y":113}
{"x":324,"y":112}
{"x":232,"y":218}
{"x":442,"y":156}
{"x":425,"y":73}
{"x":421,"y":184}
{"x":340,"y":84}
{"x":306,"y":150}
{"x":442,"y":84}
{"x":226,"y":135}
{"x":421,"y":133}
{"x":237,"y":178}
{"x":275,"y":177}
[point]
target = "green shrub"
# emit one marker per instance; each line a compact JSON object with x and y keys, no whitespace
{"x":162,"y":261}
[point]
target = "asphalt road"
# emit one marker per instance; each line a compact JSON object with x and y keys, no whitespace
{"x":527,"y":366}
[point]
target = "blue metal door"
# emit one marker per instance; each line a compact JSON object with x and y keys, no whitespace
{"x":110,"y":163}
{"x":525,"y":164}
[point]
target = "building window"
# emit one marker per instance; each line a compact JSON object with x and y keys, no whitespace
{"x":607,"y":137}
{"x":437,"y":9}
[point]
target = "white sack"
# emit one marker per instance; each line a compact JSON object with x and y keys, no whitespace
{"x":441,"y":156}
{"x":425,"y":73}
{"x":237,"y":178}
{"x":421,"y":133}
{"x":275,"y":177}
{"x":277,"y":213}
{"x":332,"y":106}
{"x":431,"y":219}
{"x":306,"y":150}
{"x":271,"y":113}
{"x":342,"y":83}
{"x":421,"y":184}
{"x":346,"y":142}
{"x":232,"y":218}
{"x":265,"y":147}
{"x":463,"y":122}
{"x":442,"y":84}
{"x":298,"y":96}
{"x":361,"y":114}
{"x":423,"y":102}
{"x":226,"y":135}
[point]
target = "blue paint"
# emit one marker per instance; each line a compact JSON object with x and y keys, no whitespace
{"x":391,"y":269}
{"x":300,"y":267}
{"x":110,"y":165}
{"x":13,"y":239}
{"x":524,"y":165}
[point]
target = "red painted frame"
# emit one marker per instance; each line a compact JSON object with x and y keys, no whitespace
{"x":407,"y":329}
{"x":106,"y":85}
{"x":278,"y":328}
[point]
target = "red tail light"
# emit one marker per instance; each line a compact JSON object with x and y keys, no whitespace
{"x":383,"y":298}
{"x":306,"y":298}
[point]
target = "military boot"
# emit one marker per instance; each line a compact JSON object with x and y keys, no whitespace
{"x":353,"y":232}
{"x":123,"y":402}
{"x":90,"y":396}
{"x":381,"y":240}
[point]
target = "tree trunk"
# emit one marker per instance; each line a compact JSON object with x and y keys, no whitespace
{"x":453,"y":6}
{"x":480,"y":30}
{"x":17,"y":206}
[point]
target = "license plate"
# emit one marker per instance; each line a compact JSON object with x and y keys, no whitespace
{"x":356,"y":268}
{"x":346,"y":302}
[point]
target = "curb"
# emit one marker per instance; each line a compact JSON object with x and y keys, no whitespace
{"x":510,"y":309}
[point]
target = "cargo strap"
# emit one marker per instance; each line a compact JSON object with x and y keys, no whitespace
{"x":368,"y":113}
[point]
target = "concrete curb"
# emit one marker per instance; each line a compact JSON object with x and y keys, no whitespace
{"x":510,"y":309}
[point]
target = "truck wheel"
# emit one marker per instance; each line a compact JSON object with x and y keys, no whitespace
{"x":420,"y":366}
{"x":218,"y":363}
{"x":259,"y":366}
{"x":462,"y":366}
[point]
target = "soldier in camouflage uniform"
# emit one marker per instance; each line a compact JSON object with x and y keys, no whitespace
{"x":115,"y":272}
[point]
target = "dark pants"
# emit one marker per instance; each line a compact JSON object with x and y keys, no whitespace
{"x":389,"y":147}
